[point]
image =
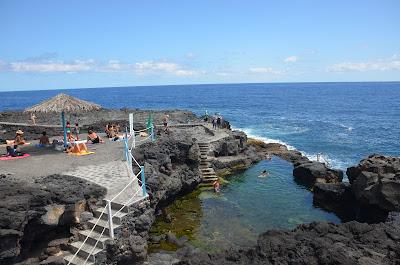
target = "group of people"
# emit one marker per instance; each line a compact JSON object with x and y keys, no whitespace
{"x":217,"y":121}
{"x":112,"y":131}
{"x":73,"y":134}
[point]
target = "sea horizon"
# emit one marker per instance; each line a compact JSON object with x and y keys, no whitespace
{"x":197,"y":84}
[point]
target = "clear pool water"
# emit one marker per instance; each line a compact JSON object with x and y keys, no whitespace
{"x":247,"y":206}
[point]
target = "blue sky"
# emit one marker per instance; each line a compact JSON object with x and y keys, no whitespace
{"x":74,"y":44}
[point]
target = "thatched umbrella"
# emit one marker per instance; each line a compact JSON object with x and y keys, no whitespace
{"x":63,"y":103}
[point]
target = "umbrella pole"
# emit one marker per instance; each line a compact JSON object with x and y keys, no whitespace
{"x":64,"y":128}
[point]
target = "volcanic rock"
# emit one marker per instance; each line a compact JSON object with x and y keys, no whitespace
{"x":311,"y":172}
{"x":375,"y":182}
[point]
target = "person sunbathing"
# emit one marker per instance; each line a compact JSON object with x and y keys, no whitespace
{"x":44,"y":139}
{"x":13,"y":145}
{"x":93,"y":137}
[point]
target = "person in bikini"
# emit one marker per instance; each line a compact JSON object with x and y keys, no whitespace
{"x":93,"y":137}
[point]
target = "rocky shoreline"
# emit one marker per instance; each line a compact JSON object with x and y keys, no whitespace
{"x":172,"y":170}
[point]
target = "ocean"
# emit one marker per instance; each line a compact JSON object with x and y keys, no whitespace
{"x":343,"y":121}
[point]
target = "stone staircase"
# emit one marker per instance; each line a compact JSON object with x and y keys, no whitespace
{"x":207,"y":172}
{"x":90,"y":248}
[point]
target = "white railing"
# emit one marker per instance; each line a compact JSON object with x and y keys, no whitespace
{"x":129,"y":159}
{"x":135,"y":133}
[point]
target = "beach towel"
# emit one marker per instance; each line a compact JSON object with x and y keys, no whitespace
{"x":5,"y":157}
{"x":81,"y":153}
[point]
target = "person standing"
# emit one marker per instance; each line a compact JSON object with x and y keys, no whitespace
{"x":165,"y":122}
{"x":76,"y":131}
{"x":214,"y":122}
{"x":219,"y":122}
{"x":33,"y":118}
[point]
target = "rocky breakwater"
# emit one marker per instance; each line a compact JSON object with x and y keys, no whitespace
{"x":171,"y":169}
{"x":33,"y":214}
{"x":305,"y":171}
{"x":373,"y":191}
{"x":375,"y":183}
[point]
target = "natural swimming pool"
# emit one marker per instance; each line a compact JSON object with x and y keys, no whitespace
{"x":247,"y":206}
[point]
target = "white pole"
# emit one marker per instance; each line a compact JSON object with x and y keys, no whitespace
{"x":131,"y":123}
{"x":134,"y":139}
{"x":110,"y":221}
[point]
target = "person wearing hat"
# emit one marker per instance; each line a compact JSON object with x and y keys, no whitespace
{"x":19,"y":140}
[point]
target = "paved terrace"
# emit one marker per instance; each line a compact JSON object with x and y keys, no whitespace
{"x":106,"y":167}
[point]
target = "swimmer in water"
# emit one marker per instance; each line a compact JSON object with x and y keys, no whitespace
{"x":268,"y":157}
{"x":216,"y":186}
{"x":263,"y":174}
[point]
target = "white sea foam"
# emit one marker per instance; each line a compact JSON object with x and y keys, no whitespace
{"x":250,"y":133}
{"x":334,"y":163}
{"x":348,"y":128}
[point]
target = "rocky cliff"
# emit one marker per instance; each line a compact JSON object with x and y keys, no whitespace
{"x":39,"y":211}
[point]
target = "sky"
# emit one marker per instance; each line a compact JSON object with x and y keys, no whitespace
{"x":78,"y":44}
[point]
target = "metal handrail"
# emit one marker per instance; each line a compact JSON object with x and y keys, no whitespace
{"x":129,"y":169}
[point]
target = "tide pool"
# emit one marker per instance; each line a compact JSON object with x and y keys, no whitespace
{"x":247,"y":206}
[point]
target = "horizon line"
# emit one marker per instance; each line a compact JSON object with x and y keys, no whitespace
{"x":202,"y":84}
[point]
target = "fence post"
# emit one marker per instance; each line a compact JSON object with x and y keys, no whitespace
{"x":126,"y":149}
{"x":152,"y":133}
{"x":110,"y":221}
{"x":130,"y":123}
{"x":143,"y":181}
{"x":134,"y":139}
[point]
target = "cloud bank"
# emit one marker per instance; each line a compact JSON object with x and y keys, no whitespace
{"x":392,"y":63}
{"x":90,"y":65}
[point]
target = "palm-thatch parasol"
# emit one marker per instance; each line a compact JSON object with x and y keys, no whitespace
{"x":63,"y":103}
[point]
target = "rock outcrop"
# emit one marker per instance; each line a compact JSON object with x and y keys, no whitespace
{"x":349,"y":243}
{"x":312,"y":172}
{"x":337,"y":198}
{"x":33,"y":212}
{"x":171,"y":170}
{"x":375,"y":182}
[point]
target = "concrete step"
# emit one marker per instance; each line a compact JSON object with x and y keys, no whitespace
{"x":206,"y":169}
{"x":85,"y":251}
{"x":209,"y":179}
{"x":116,"y":206}
{"x":209,"y":173}
{"x":203,"y":144}
{"x":101,"y":224}
{"x":117,"y":216}
{"x":208,"y":186}
{"x":77,"y":260}
{"x":93,"y":238}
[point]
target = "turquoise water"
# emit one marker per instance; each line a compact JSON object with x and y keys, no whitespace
{"x":247,"y":206}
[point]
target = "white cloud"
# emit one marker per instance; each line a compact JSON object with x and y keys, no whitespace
{"x":163,"y":67}
{"x":89,"y":65}
{"x":265,"y":70}
{"x":392,"y":63}
{"x":53,"y":66}
{"x":291,"y":59}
